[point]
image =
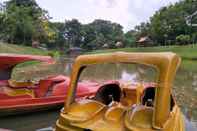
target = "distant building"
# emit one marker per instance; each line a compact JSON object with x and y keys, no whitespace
{"x":119,"y":44}
{"x":74,"y":51}
{"x":35,"y":44}
{"x":144,"y":42}
{"x":105,"y":46}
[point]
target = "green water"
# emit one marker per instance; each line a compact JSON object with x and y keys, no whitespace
{"x":31,"y":121}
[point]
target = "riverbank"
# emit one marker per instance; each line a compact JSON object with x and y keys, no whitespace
{"x":19,"y":49}
{"x":186,"y":52}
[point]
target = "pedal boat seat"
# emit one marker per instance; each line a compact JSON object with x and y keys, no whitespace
{"x":83,"y":110}
{"x":114,"y":113}
{"x":140,"y":117}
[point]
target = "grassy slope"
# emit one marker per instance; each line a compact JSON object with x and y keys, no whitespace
{"x":26,"y":67}
{"x":186,"y":52}
{"x":17,"y":49}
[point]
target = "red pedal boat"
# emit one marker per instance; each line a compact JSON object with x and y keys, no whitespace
{"x":19,"y":97}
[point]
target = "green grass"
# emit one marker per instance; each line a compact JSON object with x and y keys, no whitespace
{"x":31,"y":70}
{"x":189,"y":65}
{"x":18,"y":49}
{"x":28,"y":63}
{"x":186,"y":52}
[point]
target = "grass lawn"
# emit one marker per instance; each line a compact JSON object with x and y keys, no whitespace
{"x":186,"y":52}
{"x":30,"y":69}
{"x":18,"y":49}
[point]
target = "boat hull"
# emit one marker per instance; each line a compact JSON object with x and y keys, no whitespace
{"x":21,"y":106}
{"x":10,"y":105}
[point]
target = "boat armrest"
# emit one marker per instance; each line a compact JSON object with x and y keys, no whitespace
{"x":17,"y":84}
{"x":15,"y":93}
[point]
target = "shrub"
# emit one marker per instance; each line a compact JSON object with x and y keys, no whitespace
{"x":183,"y":39}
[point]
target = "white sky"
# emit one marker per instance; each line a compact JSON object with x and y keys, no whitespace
{"x":128,"y":13}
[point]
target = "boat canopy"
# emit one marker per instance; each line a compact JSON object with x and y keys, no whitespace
{"x":10,"y":60}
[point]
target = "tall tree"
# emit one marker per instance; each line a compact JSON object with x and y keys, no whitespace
{"x":142,"y":29}
{"x":169,"y":22}
{"x":130,"y":38}
{"x":103,"y":32}
{"x":59,"y":40}
{"x":25,"y":21}
{"x":72,"y":32}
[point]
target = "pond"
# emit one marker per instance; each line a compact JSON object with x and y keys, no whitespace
{"x":184,"y":90}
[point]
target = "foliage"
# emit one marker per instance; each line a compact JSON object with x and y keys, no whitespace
{"x":93,"y":35}
{"x":72,"y":32}
{"x":130,"y":38}
{"x":103,"y":32}
{"x":183,"y":39}
{"x":142,"y":29}
{"x":59,"y":40}
{"x":25,"y":21}
{"x":169,"y":22}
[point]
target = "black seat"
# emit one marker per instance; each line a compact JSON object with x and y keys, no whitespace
{"x":108,"y":93}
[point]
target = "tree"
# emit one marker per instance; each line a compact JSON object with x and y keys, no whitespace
{"x":1,"y":8}
{"x":59,"y":40}
{"x":93,"y":35}
{"x":72,"y":32}
{"x":130,"y":38}
{"x":169,"y":22}
{"x":25,"y":21}
{"x":89,"y":36}
{"x":183,"y":39}
{"x":2,"y":18}
{"x":103,"y":32}
{"x":142,"y":29}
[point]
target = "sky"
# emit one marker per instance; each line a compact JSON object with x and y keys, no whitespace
{"x":128,"y":13}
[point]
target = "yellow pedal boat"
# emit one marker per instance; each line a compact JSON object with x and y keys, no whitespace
{"x":121,"y":105}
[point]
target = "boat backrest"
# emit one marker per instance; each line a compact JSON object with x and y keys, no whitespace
{"x":45,"y":85}
{"x":5,"y":74}
{"x":43,"y":88}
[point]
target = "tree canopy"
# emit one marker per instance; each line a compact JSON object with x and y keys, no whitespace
{"x":169,"y":22}
{"x":24,"y":21}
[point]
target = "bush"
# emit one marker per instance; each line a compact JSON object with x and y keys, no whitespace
{"x":183,"y":39}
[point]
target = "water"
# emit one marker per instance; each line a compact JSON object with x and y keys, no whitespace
{"x":184,"y":90}
{"x":30,"y":122}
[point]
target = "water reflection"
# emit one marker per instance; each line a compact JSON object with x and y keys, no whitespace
{"x":128,"y":77}
{"x":185,"y":92}
{"x":30,"y":122}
